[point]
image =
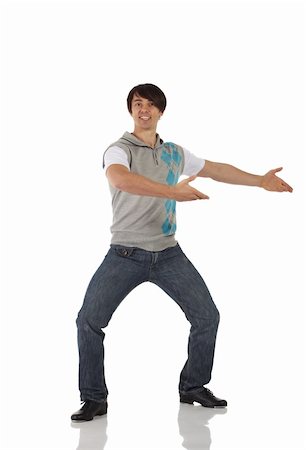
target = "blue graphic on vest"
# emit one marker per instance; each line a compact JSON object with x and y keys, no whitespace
{"x":171,"y":156}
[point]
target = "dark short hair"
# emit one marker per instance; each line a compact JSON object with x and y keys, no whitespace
{"x":150,"y":92}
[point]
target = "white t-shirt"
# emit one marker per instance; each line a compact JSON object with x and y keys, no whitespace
{"x":116,"y":155}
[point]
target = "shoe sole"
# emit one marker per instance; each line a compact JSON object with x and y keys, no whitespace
{"x":89,"y":420}
{"x":191,"y":402}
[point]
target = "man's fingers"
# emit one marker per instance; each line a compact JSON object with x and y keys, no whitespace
{"x":275,"y":183}
{"x":200,"y":194}
{"x":286,"y":187}
{"x":188,"y":180}
{"x":188,"y":192}
{"x":276,"y":170}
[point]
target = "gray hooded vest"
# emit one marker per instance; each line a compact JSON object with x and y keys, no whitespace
{"x":141,"y":221}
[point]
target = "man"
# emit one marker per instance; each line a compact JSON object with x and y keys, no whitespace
{"x":143,"y":173}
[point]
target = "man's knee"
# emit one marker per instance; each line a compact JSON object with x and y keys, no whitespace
{"x":207,"y":318}
{"x":216,"y":316}
{"x":86,"y":321}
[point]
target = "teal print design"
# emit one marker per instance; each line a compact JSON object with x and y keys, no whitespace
{"x":169,"y":225}
{"x":172,"y":158}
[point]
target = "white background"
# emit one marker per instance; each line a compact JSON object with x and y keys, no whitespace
{"x":233,"y":75}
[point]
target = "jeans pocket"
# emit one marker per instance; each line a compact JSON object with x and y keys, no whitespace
{"x":124,"y":251}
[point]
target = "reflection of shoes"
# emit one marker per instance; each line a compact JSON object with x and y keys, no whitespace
{"x":204,"y":396}
{"x":89,"y":410}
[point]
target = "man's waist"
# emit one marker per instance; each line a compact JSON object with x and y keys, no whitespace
{"x":143,"y":240}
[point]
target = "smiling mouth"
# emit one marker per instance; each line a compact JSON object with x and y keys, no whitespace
{"x":145,"y":117}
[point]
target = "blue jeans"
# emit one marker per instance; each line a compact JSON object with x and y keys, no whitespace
{"x":122,"y":270}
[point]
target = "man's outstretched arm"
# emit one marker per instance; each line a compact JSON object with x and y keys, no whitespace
{"x":232,"y":175}
{"x":124,"y":180}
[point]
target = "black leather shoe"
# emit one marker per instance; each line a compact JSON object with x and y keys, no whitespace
{"x":204,"y":396}
{"x":89,"y":410}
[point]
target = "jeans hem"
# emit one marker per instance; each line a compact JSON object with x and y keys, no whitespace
{"x":100,"y":400}
{"x":191,"y":391}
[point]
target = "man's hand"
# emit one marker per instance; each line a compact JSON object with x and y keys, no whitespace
{"x":271,"y":182}
{"x":182,"y":192}
{"x":133,"y":183}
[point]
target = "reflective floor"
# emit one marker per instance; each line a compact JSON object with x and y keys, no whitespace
{"x":192,"y":431}
{"x":190,"y":427}
{"x":260,"y":377}
{"x":259,"y":371}
{"x":155,"y":424}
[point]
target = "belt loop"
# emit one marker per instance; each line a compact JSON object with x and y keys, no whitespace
{"x":154,"y":257}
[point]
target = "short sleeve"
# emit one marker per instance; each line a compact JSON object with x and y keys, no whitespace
{"x":115,"y":155}
{"x":193,"y":164}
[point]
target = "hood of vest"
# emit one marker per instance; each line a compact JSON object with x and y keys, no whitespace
{"x":129,"y":138}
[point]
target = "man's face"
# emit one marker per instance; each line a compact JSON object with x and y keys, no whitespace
{"x":145,"y":113}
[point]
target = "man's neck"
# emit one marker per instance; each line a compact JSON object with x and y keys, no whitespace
{"x":146,"y":136}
